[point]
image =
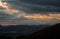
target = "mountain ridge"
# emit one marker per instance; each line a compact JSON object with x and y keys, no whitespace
{"x":52,"y":32}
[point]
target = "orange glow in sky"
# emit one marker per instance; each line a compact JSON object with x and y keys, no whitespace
{"x":7,"y":24}
{"x":43,"y":17}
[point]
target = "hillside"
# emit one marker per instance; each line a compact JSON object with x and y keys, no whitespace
{"x":52,"y":32}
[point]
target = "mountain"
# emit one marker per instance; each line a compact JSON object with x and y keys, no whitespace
{"x":17,"y":30}
{"x":52,"y":32}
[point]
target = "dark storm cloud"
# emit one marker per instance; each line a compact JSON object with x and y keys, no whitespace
{"x":42,"y":5}
{"x":44,"y":2}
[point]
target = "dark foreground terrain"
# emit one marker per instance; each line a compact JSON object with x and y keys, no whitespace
{"x":47,"y":33}
{"x":52,"y":32}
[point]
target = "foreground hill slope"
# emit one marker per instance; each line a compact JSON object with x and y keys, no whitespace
{"x":52,"y":32}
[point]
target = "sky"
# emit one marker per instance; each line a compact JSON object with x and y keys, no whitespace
{"x":29,"y":12}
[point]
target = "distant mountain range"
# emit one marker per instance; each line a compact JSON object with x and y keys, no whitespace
{"x":50,"y":32}
{"x":21,"y":29}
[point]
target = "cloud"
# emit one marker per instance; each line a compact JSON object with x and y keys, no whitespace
{"x":5,"y":16}
{"x":44,"y":17}
{"x":22,"y":13}
{"x":44,"y":2}
{"x":28,"y":20}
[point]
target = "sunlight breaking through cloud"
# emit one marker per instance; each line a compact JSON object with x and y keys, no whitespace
{"x":44,"y":17}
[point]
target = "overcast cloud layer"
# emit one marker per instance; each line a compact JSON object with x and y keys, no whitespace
{"x":29,"y":7}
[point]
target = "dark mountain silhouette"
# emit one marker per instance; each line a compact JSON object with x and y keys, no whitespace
{"x":51,"y":32}
{"x":47,"y":33}
{"x":21,"y":29}
{"x":13,"y":31}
